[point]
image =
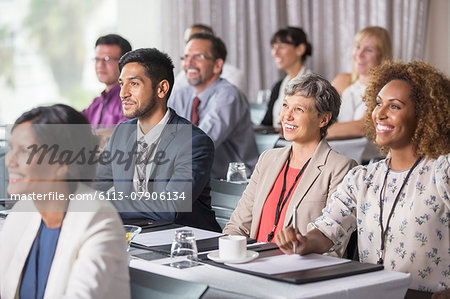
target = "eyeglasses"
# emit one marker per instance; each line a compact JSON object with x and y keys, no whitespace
{"x":196,"y":57}
{"x":105,"y":59}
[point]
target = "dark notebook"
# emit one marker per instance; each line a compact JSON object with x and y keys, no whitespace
{"x":149,"y":224}
{"x":202,"y":245}
{"x":304,"y":276}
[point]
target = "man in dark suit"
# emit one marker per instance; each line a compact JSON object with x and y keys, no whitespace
{"x":158,"y":163}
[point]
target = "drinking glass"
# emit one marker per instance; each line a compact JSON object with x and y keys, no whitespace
{"x":263,"y":96}
{"x":184,"y":245}
{"x":236,"y":172}
{"x":131,"y":231}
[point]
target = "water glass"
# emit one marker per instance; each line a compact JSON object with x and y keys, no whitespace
{"x":236,"y":172}
{"x":131,"y":231}
{"x":263,"y":96}
{"x":184,"y":246}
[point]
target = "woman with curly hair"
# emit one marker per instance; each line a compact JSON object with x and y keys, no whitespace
{"x":400,"y":205}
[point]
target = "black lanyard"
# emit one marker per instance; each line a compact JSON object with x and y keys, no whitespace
{"x":384,"y":231}
{"x":282,"y":202}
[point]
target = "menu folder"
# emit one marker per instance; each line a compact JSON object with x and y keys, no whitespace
{"x":304,"y":276}
{"x":202,"y":245}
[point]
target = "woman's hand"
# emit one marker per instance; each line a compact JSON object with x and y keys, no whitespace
{"x":286,"y":240}
{"x":313,"y":242}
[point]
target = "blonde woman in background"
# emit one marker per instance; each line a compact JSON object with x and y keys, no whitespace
{"x":372,"y":46}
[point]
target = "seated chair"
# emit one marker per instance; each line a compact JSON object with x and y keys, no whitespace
{"x":150,"y":285}
{"x":224,"y":199}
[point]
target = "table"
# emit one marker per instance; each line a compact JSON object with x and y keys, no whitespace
{"x":229,"y":284}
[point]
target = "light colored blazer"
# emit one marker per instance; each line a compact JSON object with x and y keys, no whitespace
{"x":90,"y":259}
{"x":320,"y":179}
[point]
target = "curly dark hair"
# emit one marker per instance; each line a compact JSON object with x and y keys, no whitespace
{"x":430,"y":91}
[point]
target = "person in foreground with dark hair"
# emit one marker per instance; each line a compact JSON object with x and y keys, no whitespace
{"x":60,"y":240}
{"x":290,"y":48}
{"x":399,"y":206}
{"x":107,"y":108}
{"x":301,"y":175}
{"x":214,"y":105}
{"x":166,"y":171}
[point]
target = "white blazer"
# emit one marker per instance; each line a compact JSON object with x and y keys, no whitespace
{"x":90,"y":259}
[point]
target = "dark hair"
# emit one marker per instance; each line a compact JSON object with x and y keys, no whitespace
{"x":327,"y":99}
{"x":218,"y":48}
{"x":294,"y":36}
{"x":56,"y":114}
{"x":114,"y":39}
{"x":68,"y":138}
{"x":203,"y":28}
{"x":158,"y":65}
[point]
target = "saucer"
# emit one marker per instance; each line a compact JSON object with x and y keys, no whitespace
{"x":249,"y":256}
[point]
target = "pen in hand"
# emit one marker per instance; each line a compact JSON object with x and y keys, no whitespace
{"x":294,"y":224}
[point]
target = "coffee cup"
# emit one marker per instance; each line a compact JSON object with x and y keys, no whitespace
{"x":232,"y":247}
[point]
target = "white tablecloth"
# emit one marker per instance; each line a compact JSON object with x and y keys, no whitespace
{"x":376,"y":285}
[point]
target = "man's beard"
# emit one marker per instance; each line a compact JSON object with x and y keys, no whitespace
{"x":144,"y":109}
{"x":195,"y":81}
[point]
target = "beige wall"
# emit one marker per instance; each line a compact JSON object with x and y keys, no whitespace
{"x":437,"y":46}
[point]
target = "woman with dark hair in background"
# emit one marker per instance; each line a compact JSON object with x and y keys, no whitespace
{"x":59,"y":240}
{"x":290,"y":48}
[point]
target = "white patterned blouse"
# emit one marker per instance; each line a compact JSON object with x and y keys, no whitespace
{"x":417,"y":239}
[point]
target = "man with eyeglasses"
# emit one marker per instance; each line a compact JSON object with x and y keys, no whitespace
{"x":234,"y":75}
{"x":106,"y":109}
{"x":215,"y":105}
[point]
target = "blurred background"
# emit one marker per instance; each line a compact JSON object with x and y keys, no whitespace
{"x":47,"y":47}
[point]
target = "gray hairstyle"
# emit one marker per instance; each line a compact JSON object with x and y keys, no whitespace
{"x":326,"y":97}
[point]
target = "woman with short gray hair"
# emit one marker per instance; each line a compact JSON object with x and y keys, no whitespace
{"x":327,"y":100}
{"x":302,"y":175}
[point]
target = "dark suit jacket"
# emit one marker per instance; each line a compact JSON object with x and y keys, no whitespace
{"x":185,"y":154}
